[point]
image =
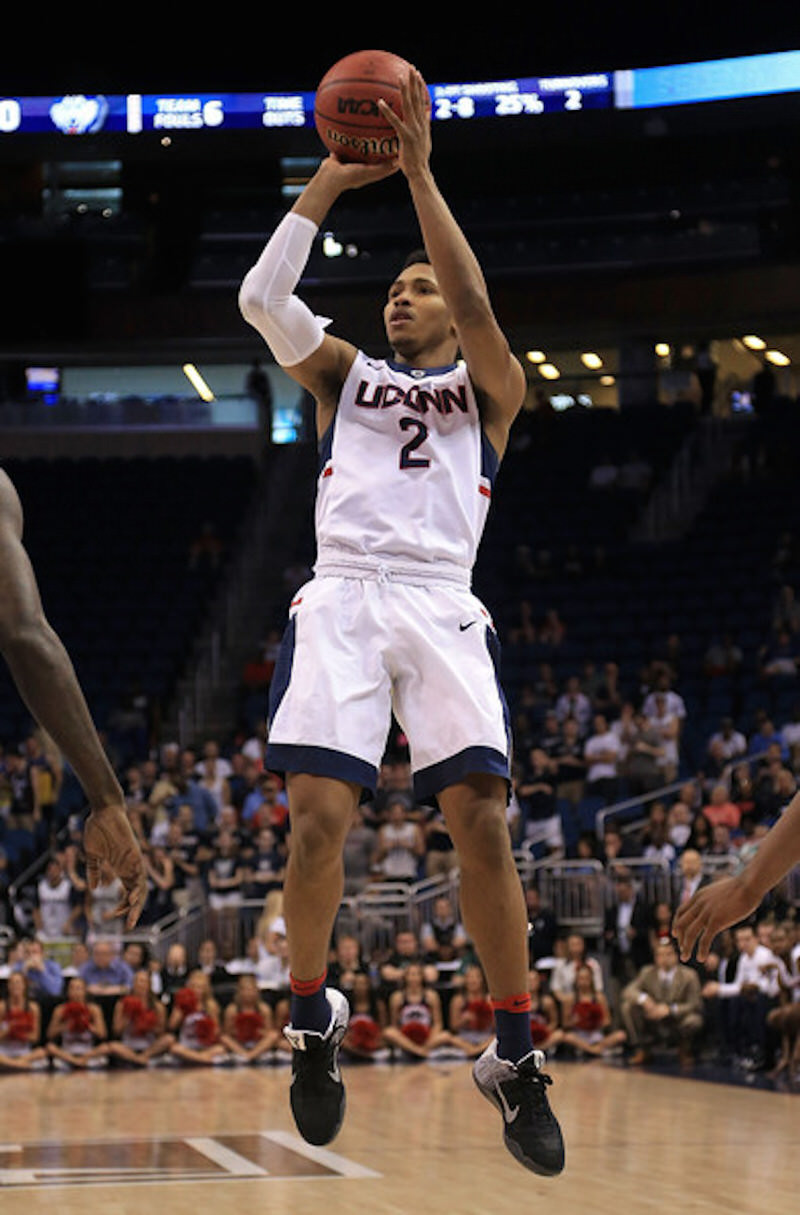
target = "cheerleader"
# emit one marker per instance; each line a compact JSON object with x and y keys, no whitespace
{"x":138,"y":1025}
{"x":471,"y":1018}
{"x":587,"y":1018}
{"x":415,"y":1016}
{"x":20,"y":1027}
{"x":77,"y":1033}
{"x":545,"y":1028}
{"x":248,"y":1031}
{"x":194,"y":1018}
{"x":365,"y":1030}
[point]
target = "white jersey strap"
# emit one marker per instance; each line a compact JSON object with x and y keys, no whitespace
{"x":266,"y":296}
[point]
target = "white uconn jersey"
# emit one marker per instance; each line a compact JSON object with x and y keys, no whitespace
{"x":406,"y":472}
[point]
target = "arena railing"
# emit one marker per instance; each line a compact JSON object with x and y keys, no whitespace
{"x":653,"y":878}
{"x":621,"y":809}
{"x":374,"y":915}
{"x":575,"y":892}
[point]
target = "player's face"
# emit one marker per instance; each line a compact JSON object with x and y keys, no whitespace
{"x":415,"y":314}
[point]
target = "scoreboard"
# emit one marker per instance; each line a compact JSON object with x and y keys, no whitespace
{"x":528,"y":97}
{"x":136,"y":112}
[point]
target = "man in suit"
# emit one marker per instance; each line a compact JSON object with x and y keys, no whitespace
{"x":663,"y":1005}
{"x":692,"y":877}
{"x":542,"y":927}
{"x":627,"y":929}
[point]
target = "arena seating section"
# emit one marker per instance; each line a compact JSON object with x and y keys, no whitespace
{"x":110,"y":541}
{"x":720,"y":578}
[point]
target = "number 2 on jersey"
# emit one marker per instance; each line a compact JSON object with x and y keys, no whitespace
{"x":407,"y":457}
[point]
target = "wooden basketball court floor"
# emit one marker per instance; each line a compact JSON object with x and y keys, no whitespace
{"x":417,"y":1139}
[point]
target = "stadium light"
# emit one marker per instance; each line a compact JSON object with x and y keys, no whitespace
{"x":198,"y":383}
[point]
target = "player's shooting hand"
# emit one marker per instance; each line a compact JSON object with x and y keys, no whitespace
{"x":414,"y":128}
{"x":108,"y":838}
{"x":352,"y":175}
{"x":708,"y":912}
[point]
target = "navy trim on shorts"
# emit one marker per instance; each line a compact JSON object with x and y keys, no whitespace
{"x":484,"y":760}
{"x":283,"y":669}
{"x":494,"y":648}
{"x":320,"y":761}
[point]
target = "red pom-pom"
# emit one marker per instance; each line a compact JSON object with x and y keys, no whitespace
{"x":480,"y":1016}
{"x":364,"y":1033}
{"x":78,"y":1016}
{"x":143,"y":1020}
{"x":206,"y":1031}
{"x":146,"y":1021}
{"x":131,"y":1005}
{"x":540,"y":1030}
{"x":417,"y":1031}
{"x":587,"y":1015}
{"x":20,"y":1024}
{"x":248,"y":1026}
{"x":186,"y":999}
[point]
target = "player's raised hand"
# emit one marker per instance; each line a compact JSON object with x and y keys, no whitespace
{"x":352,"y":174}
{"x":414,"y":127}
{"x":108,"y":837}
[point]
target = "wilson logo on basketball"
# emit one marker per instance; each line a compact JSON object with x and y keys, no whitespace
{"x":384,"y":146}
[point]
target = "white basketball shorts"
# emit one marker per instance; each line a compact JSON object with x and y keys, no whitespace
{"x":357,"y":649}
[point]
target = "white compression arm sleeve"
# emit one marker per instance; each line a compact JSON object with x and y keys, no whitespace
{"x":267,"y":300}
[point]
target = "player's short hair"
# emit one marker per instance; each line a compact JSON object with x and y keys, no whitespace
{"x":415,"y":257}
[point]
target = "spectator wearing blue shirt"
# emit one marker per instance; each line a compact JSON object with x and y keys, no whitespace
{"x":44,"y":975}
{"x":105,"y":973}
{"x":203,"y":803}
{"x":765,"y":736}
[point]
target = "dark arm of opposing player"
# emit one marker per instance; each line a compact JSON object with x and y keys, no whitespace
{"x":40,"y":665}
{"x":731,"y":899}
{"x":46,"y":680}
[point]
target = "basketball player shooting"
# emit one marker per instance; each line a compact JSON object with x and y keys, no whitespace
{"x":46,"y":680}
{"x":409,"y":448}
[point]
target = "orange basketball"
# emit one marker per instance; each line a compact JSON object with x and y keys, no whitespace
{"x":346,"y":105}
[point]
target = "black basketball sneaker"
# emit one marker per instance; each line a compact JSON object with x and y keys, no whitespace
{"x":519,"y":1090}
{"x":317,"y":1094}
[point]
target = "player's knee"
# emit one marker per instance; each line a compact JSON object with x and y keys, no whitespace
{"x":317,"y":835}
{"x":483,"y":836}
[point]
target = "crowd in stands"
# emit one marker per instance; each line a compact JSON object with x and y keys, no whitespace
{"x":215,"y":831}
{"x":625,"y":995}
{"x":589,"y":735}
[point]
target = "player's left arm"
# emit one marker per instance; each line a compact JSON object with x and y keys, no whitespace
{"x":497,"y":374}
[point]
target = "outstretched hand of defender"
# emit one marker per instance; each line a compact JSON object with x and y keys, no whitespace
{"x":108,"y":838}
{"x":708,"y":912}
{"x":414,"y":128}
